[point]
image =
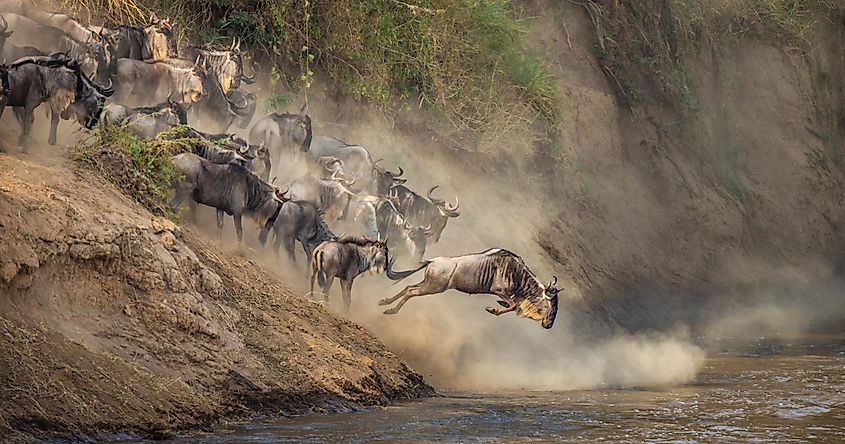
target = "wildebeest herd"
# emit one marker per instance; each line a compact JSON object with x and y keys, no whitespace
{"x":158,"y":88}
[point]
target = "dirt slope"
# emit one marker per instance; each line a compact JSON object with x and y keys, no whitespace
{"x":112,"y":320}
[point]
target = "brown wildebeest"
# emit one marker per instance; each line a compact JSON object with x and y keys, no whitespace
{"x":495,"y":271}
{"x":346,"y":259}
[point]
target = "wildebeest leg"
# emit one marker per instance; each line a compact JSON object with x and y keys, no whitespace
{"x":219,"y":224}
{"x":327,"y":289}
{"x":421,"y":289}
{"x":28,"y":118}
{"x":290,"y":244}
{"x":500,"y":311}
{"x":239,"y":229}
{"x":54,"y":125}
{"x":346,"y":286}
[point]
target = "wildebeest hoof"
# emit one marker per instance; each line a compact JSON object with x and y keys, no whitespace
{"x":384,"y":302}
{"x":391,"y":311}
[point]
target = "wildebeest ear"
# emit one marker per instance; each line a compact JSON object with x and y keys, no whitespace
{"x":304,"y":110}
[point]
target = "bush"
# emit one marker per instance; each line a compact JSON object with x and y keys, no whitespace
{"x":140,"y":168}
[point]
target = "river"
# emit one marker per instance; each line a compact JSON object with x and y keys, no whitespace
{"x":768,"y":392}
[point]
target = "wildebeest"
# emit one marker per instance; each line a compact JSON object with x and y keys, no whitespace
{"x":58,"y":81}
{"x":347,"y":258}
{"x":331,"y":195}
{"x":283,"y":134}
{"x":244,"y":105}
{"x":300,"y":221}
{"x":145,"y":122}
{"x":424,"y":212}
{"x":229,"y":188}
{"x":495,"y":271}
{"x":214,"y":111}
{"x":10,"y":51}
{"x":91,"y":54}
{"x":147,"y":83}
{"x":227,"y":65}
{"x":383,"y":180}
{"x":154,"y":41}
{"x":357,"y":162}
{"x":404,"y":235}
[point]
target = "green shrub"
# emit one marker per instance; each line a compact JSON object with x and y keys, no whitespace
{"x":141,"y":168}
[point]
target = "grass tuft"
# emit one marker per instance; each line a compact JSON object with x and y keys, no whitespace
{"x":140,"y":168}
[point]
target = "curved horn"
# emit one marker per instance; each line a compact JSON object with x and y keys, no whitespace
{"x":453,"y":208}
{"x":401,"y":172}
{"x":5,"y":24}
{"x":408,"y":225}
{"x":432,"y":198}
{"x":553,"y":282}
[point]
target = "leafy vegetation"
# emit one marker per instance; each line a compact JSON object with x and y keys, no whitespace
{"x":467,"y":57}
{"x":141,"y":168}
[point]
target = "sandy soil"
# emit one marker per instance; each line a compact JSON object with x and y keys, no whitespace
{"x":112,"y":320}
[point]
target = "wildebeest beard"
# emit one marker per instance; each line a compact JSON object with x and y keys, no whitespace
{"x":4,"y":80}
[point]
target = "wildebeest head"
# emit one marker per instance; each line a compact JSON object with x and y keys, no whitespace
{"x":179,"y":112}
{"x":89,"y":100}
{"x":296,"y":128}
{"x":191,"y":82}
{"x":383,"y":180}
{"x":542,"y":308}
{"x":377,"y":255}
{"x":161,"y":40}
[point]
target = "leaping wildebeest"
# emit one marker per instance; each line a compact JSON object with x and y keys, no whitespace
{"x":495,"y":271}
{"x":347,"y":258}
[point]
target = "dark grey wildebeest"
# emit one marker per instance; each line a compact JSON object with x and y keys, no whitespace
{"x":403,"y":236}
{"x":495,"y":271}
{"x":285,"y":135}
{"x":229,"y":188}
{"x":303,"y":222}
{"x":347,"y":258}
{"x":244,"y":105}
{"x":58,"y":81}
{"x":424,"y":212}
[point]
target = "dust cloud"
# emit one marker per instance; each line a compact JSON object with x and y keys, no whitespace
{"x":449,"y":337}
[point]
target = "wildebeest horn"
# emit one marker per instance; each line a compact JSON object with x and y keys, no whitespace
{"x":401,"y":172}
{"x":553,"y":282}
{"x":428,"y":230}
{"x":304,"y":109}
{"x":408,"y":225}
{"x":453,"y":208}
{"x":242,"y":149}
{"x":432,"y":198}
{"x":5,"y":24}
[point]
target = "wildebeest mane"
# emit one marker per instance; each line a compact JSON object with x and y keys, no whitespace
{"x":357,"y":240}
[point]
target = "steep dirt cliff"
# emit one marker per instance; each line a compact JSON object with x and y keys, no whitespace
{"x":112,"y":320}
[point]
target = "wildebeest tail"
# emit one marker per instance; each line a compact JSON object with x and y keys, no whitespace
{"x":321,"y":274}
{"x":399,"y":275}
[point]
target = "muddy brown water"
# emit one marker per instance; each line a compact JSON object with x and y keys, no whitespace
{"x":768,"y":392}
